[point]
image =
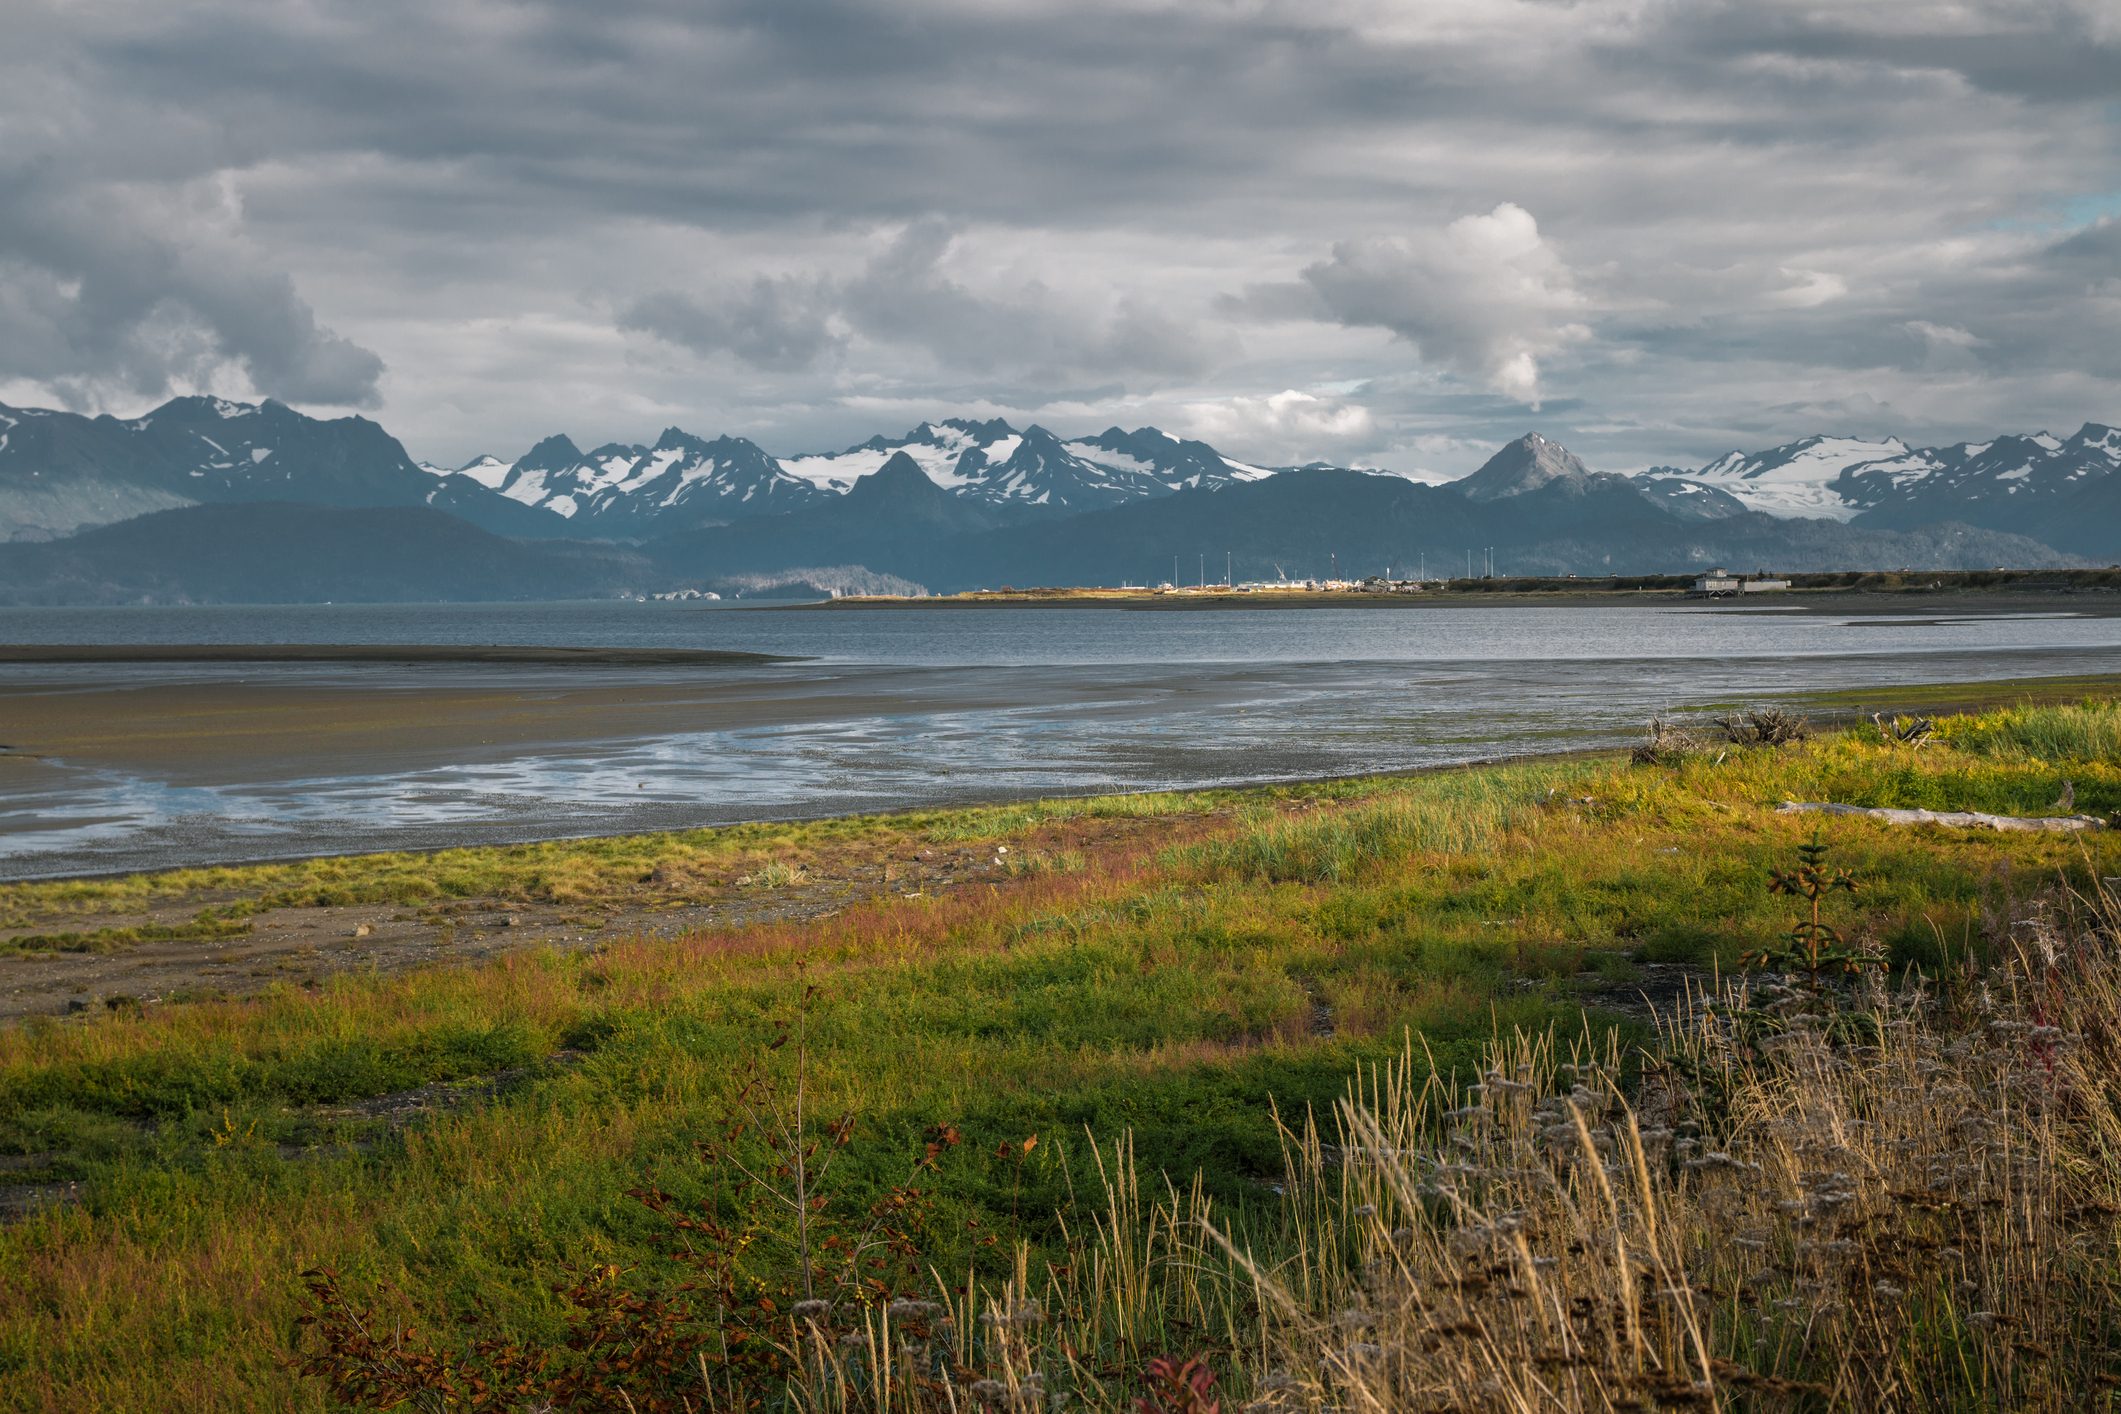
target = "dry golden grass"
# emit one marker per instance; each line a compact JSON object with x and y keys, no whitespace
{"x":1887,"y":1198}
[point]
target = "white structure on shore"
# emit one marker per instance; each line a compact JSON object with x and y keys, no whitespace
{"x":1720,"y":583}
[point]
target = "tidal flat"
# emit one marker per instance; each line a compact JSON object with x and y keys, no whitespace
{"x":232,"y":734}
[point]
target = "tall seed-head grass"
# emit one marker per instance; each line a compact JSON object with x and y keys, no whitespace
{"x":1757,"y":1212}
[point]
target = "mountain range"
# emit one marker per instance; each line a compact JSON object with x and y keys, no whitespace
{"x":683,"y":481}
{"x":2060,"y":490}
{"x":103,"y":509}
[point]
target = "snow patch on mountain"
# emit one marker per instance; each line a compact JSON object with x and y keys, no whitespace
{"x":528,"y":486}
{"x":1176,"y":464}
{"x":635,"y":490}
{"x":935,"y":447}
{"x":489,"y":471}
{"x":1799,"y":479}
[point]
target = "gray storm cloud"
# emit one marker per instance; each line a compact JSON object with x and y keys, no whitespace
{"x":147,"y":288}
{"x":905,"y":299}
{"x":1352,"y":228}
{"x":775,"y":323}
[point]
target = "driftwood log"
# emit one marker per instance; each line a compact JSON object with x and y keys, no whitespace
{"x":1962,"y":819}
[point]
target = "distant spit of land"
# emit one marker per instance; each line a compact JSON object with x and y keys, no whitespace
{"x":2011,"y":588}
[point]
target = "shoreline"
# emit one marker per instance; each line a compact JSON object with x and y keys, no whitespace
{"x":1826,"y":708}
{"x":798,"y":820}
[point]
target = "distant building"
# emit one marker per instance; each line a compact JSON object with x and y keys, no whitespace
{"x":1721,"y":584}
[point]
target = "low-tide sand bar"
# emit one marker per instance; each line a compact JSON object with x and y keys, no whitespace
{"x":451,"y":653}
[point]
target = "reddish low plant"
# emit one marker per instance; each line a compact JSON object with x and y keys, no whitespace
{"x":1178,"y":1387}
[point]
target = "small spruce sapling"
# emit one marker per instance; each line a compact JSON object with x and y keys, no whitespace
{"x":1813,"y":946}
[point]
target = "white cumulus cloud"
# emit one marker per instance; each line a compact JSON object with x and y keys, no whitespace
{"x":1808,"y":289}
{"x":1289,"y":425}
{"x":1485,"y":297}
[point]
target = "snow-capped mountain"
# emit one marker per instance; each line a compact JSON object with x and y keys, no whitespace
{"x":1797,"y":480}
{"x":1041,"y":470}
{"x":957,"y":504}
{"x":683,"y":481}
{"x":1690,"y":500}
{"x":61,"y":472}
{"x":993,"y":462}
{"x":1180,"y":465}
{"x":2015,"y":478}
{"x":935,"y":447}
{"x":623,"y":490}
{"x":2038,"y":484}
{"x":488,"y":471}
{"x":268,"y":451}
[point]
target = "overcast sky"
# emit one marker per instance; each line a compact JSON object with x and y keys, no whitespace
{"x":1389,"y":232}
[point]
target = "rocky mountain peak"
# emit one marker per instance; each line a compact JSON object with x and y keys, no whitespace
{"x":897,"y":478}
{"x":1524,"y":465}
{"x":990,"y":430}
{"x":552,"y":454}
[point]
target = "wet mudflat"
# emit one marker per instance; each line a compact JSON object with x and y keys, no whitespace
{"x":261,"y":734}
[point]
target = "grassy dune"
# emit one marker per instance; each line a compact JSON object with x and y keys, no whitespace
{"x":1161,"y":1015}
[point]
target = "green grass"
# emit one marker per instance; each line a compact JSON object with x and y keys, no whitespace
{"x":1963,"y":696}
{"x":204,"y":928}
{"x":2039,"y":736}
{"x":1455,"y":813}
{"x":568,"y":871}
{"x":1177,"y":985}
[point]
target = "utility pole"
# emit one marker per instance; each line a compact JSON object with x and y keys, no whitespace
{"x":1174,"y":571}
{"x":1204,"y":569}
{"x":1229,"y":574}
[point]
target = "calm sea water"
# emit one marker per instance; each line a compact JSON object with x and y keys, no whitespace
{"x":890,"y":709}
